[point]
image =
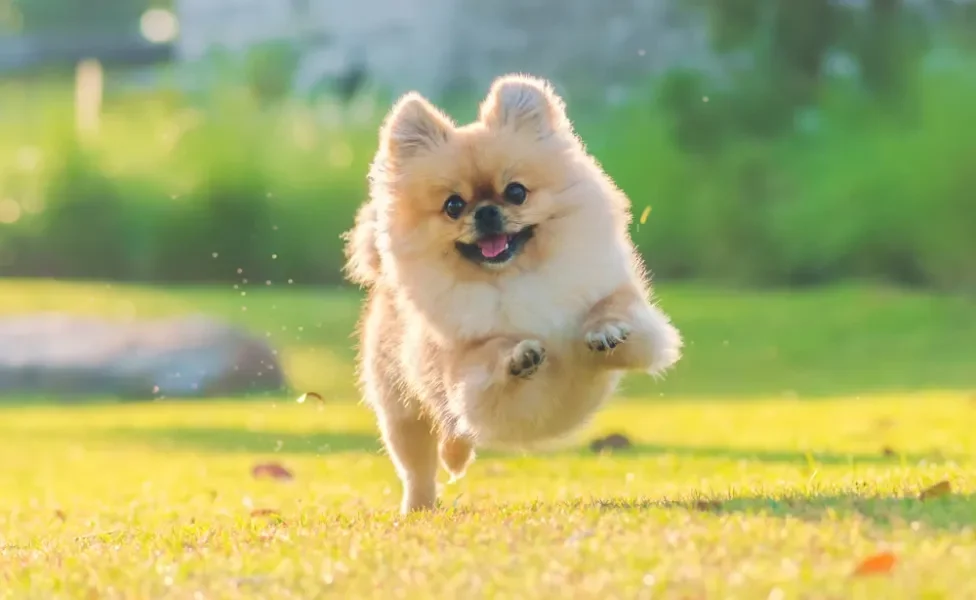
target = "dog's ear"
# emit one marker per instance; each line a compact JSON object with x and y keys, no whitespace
{"x":522,"y":102}
{"x":414,"y":125}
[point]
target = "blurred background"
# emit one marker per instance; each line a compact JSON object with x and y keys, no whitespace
{"x":802,"y":174}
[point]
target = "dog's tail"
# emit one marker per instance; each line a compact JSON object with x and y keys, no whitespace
{"x":362,"y":256}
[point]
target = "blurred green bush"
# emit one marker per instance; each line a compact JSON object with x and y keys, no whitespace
{"x":176,"y":190}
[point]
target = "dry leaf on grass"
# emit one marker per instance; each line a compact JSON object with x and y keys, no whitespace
{"x":614,"y":441}
{"x":273,"y":471}
{"x":943,"y":488}
{"x":876,"y":564}
{"x":309,"y":395}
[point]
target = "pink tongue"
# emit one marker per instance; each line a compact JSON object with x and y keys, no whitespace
{"x":493,"y":246}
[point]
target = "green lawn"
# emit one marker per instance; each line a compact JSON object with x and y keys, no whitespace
{"x":789,"y":445}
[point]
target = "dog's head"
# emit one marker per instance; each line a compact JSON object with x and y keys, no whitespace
{"x":480,"y":199}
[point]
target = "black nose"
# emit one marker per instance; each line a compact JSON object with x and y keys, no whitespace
{"x":488,"y":220}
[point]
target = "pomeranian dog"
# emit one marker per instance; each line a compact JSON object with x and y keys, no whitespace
{"x":505,"y":296}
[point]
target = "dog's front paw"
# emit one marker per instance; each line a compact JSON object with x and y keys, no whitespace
{"x":607,"y":336}
{"x":527,"y":356}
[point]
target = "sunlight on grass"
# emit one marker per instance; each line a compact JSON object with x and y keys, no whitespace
{"x":736,"y":484}
{"x":715,"y":498}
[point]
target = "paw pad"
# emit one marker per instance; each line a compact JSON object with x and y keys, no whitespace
{"x":527,"y":356}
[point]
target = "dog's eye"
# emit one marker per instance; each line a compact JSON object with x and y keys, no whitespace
{"x":454,"y":206}
{"x":515,"y":193}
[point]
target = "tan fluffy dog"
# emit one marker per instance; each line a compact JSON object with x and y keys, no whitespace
{"x":506,"y":298}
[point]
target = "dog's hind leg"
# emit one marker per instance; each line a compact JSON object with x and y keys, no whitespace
{"x":412,"y":445}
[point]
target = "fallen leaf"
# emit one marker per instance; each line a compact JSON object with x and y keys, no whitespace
{"x":943,"y":488}
{"x":708,"y":505}
{"x":888,"y":451}
{"x":308,"y":395}
{"x":60,"y":515}
{"x":614,"y":441}
{"x":645,"y":214}
{"x":272,"y":470}
{"x":876,"y":564}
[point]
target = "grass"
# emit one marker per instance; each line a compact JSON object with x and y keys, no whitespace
{"x":746,"y":494}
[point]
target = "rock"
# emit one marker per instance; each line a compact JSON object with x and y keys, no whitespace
{"x":193,"y":356}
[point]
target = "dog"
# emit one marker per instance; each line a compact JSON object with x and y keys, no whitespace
{"x":505,"y":297}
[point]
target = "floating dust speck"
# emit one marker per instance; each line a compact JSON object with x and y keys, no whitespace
{"x":215,"y":254}
{"x":274,"y":257}
{"x":645,"y":214}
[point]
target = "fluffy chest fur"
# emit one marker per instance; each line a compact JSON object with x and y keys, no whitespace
{"x":546,"y":303}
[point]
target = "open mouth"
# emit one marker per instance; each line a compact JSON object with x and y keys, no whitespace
{"x":495,"y":249}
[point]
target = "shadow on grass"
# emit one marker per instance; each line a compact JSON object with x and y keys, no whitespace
{"x":953,"y":511}
{"x":949,"y":512}
{"x":212,"y":439}
{"x":813,"y":459}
